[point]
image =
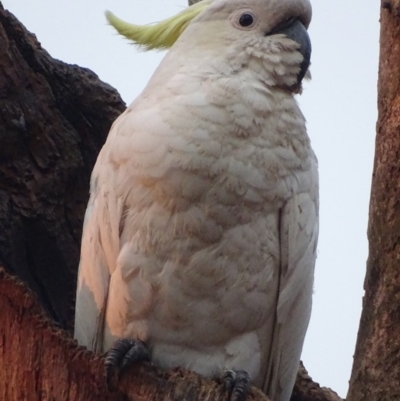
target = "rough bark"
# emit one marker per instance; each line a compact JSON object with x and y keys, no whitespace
{"x":54,"y":118}
{"x":376,"y":369}
{"x":305,"y":389}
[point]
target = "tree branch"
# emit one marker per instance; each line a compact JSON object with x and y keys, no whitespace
{"x":376,"y":369}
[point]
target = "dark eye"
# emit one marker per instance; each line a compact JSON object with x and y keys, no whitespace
{"x":246,"y":19}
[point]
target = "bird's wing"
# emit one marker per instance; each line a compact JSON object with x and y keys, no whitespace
{"x":298,"y":243}
{"x":99,"y":252}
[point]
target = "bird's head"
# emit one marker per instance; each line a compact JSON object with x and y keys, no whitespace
{"x":267,"y":37}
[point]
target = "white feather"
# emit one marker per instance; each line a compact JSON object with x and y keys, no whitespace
{"x":201,"y":230}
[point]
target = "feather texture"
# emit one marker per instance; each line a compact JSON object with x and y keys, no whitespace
{"x":201,"y":230}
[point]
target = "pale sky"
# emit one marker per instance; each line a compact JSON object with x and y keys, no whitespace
{"x":339,"y":104}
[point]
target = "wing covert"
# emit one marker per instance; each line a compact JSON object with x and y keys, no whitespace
{"x":99,"y":253}
{"x":298,"y":243}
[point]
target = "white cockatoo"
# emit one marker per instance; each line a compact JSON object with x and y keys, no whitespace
{"x":201,"y":230}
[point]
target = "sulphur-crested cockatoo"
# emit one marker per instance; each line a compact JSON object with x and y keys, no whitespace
{"x":201,"y":230}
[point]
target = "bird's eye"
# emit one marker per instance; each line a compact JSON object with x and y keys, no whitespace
{"x":246,"y":19}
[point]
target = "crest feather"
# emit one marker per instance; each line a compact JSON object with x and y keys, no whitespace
{"x":161,"y":35}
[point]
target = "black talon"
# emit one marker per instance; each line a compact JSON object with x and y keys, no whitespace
{"x":114,"y":358}
{"x":137,"y":353}
{"x":121,"y":355}
{"x":229,"y":380}
{"x":237,"y":384}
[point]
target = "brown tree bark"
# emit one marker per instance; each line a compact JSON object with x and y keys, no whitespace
{"x":54,"y":118}
{"x":376,"y":369}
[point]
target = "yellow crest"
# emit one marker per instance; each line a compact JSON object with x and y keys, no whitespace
{"x":161,"y":35}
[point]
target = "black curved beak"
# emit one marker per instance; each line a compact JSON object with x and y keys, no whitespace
{"x":296,"y":31}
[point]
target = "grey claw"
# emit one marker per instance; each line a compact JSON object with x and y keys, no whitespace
{"x":237,"y":384}
{"x":121,"y":355}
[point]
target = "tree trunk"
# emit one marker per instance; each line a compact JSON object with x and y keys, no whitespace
{"x":376,"y":369}
{"x":54,"y":118}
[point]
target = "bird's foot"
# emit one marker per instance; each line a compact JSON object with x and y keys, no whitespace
{"x":122,"y":355}
{"x":237,"y":384}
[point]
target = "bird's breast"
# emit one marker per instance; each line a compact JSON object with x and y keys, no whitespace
{"x":199,"y":236}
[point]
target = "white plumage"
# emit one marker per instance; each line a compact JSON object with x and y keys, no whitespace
{"x":201,"y":229}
